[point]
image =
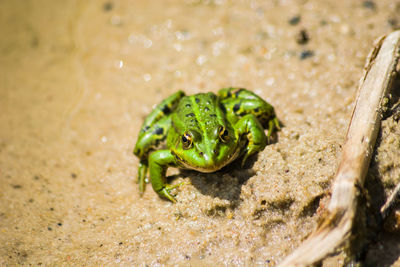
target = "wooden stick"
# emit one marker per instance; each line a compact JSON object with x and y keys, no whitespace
{"x":364,"y":126}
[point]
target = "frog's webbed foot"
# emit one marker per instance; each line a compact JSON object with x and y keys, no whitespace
{"x":159,"y":161}
{"x":166,"y":191}
{"x":246,"y":156}
{"x":251,"y":150}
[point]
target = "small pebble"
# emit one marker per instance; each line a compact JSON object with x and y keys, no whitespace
{"x":306,"y":54}
{"x":73,"y":175}
{"x":108,"y":6}
{"x":369,"y":4}
{"x":294,"y":20}
{"x":393,"y":23}
{"x":302,"y":37}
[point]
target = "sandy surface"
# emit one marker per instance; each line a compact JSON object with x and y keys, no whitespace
{"x":78,"y":77}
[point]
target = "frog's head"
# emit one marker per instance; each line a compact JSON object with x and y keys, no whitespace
{"x":206,"y":152}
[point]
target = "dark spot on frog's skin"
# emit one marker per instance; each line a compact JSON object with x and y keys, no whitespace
{"x":177,"y":157}
{"x":159,"y":141}
{"x":159,"y":131}
{"x":206,"y":109}
{"x":197,"y":100}
{"x":236,"y":107}
{"x":190,"y":115}
{"x":146,"y":128}
{"x":165,"y":109}
{"x":137,"y":151}
{"x":201,"y":154}
{"x":223,"y":108}
{"x":237,"y":92}
{"x":193,"y":120}
{"x":213,"y":115}
{"x":256,"y":110}
{"x":188,"y":105}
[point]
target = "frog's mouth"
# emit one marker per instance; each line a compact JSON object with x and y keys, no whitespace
{"x":207,"y":169}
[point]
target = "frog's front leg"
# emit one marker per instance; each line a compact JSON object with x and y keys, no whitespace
{"x":153,"y":132}
{"x":150,"y":140}
{"x":159,"y":161}
{"x":251,"y":128}
{"x":240,"y":102}
{"x":161,"y":110}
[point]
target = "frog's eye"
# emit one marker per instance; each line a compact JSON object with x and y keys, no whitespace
{"x":187,"y":140}
{"x":223,"y":134}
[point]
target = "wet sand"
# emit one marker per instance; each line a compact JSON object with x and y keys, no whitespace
{"x":78,"y":78}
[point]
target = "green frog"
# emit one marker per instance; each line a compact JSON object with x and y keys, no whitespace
{"x":202,"y":132}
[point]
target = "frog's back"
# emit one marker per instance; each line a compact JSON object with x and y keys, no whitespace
{"x":200,"y":112}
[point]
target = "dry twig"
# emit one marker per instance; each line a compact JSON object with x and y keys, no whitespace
{"x":373,"y":90}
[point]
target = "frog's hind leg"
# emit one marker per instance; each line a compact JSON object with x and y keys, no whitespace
{"x":153,"y":132}
{"x":237,"y":93}
{"x":147,"y":141}
{"x":242,"y":102}
{"x":161,"y":110}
